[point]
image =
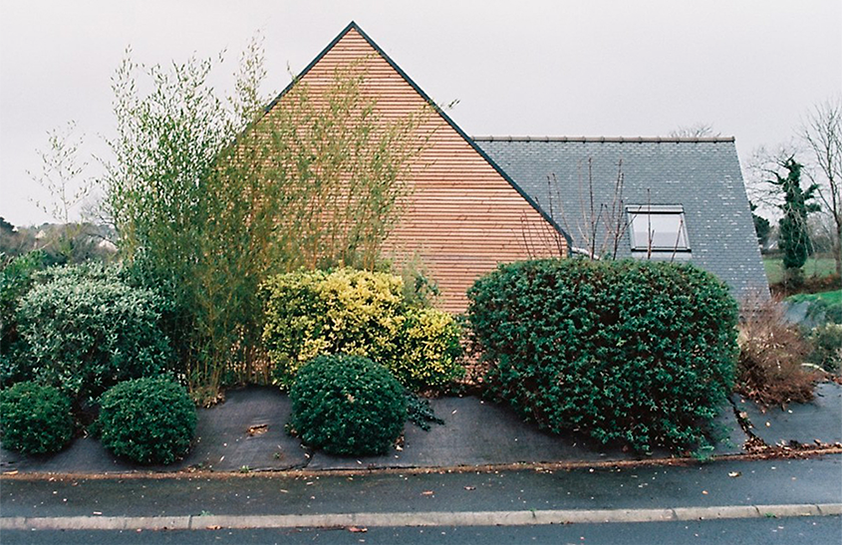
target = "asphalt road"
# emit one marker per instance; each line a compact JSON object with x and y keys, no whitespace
{"x":768,"y":482}
{"x":403,"y":508}
{"x":810,"y":530}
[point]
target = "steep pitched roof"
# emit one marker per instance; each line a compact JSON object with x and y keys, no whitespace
{"x":700,"y":174}
{"x":352,"y":26}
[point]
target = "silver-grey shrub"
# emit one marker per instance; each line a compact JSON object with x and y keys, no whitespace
{"x":86,"y":332}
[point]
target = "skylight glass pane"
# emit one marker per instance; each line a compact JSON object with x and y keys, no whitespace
{"x":658,"y":230}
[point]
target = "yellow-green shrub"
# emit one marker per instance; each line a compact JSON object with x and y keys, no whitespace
{"x":429,"y":349}
{"x":361,"y":313}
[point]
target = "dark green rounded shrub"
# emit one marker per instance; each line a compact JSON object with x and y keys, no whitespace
{"x":347,"y":405}
{"x":85,"y":332}
{"x":637,"y":351}
{"x":147,"y":420}
{"x":34,"y":419}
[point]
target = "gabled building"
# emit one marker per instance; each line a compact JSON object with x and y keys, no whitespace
{"x":464,"y":214}
{"x":476,"y":203}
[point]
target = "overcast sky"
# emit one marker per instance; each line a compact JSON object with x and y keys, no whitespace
{"x":750,"y":69}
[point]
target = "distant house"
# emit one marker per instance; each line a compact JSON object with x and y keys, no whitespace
{"x":476,"y":203}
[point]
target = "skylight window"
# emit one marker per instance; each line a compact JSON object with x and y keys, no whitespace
{"x":658,"y":228}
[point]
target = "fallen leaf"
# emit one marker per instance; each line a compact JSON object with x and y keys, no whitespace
{"x":258,"y":429}
{"x":357,"y":529}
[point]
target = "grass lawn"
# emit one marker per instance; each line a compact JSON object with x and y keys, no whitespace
{"x":822,"y":266}
{"x":832,"y":297}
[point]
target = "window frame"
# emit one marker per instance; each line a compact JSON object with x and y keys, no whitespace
{"x":635,"y":211}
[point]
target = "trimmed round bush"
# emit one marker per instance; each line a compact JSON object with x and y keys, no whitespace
{"x":147,"y":420}
{"x":85,"y":332}
{"x":639,"y":352}
{"x":347,"y":405}
{"x":34,"y":419}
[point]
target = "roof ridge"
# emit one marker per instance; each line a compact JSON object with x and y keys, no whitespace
{"x":639,"y":139}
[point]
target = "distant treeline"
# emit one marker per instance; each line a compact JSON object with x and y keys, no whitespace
{"x":61,"y":243}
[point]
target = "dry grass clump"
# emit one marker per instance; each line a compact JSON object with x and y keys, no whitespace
{"x":772,"y":352}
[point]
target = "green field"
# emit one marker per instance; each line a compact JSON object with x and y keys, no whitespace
{"x":830,"y":297}
{"x":822,"y":266}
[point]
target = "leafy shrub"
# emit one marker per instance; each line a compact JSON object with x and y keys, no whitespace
{"x":428,"y":349}
{"x":361,"y":313}
{"x":16,"y":278}
{"x":147,"y":420}
{"x":823,"y":311}
{"x":420,"y":412}
{"x":826,"y":344}
{"x":637,"y":351}
{"x":772,"y":350}
{"x":85,"y":334}
{"x":347,"y":405}
{"x":35,"y":419}
{"x":92,"y":270}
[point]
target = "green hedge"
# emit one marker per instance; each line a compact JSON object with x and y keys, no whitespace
{"x":347,"y":405}
{"x":34,"y":419}
{"x":361,"y":313}
{"x":16,"y":278}
{"x":85,"y":330}
{"x":826,"y":342}
{"x":147,"y":420}
{"x":637,"y":351}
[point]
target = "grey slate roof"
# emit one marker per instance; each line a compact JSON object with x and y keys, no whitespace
{"x":702,"y":175}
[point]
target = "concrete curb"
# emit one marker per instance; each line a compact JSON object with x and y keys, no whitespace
{"x":431,"y":518}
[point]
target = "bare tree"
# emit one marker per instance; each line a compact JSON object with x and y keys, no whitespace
{"x":599,"y":223}
{"x":763,"y":165}
{"x":822,"y":133}
{"x":697,"y":130}
{"x":63,"y":176}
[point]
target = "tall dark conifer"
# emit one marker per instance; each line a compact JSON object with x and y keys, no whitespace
{"x":794,"y":237}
